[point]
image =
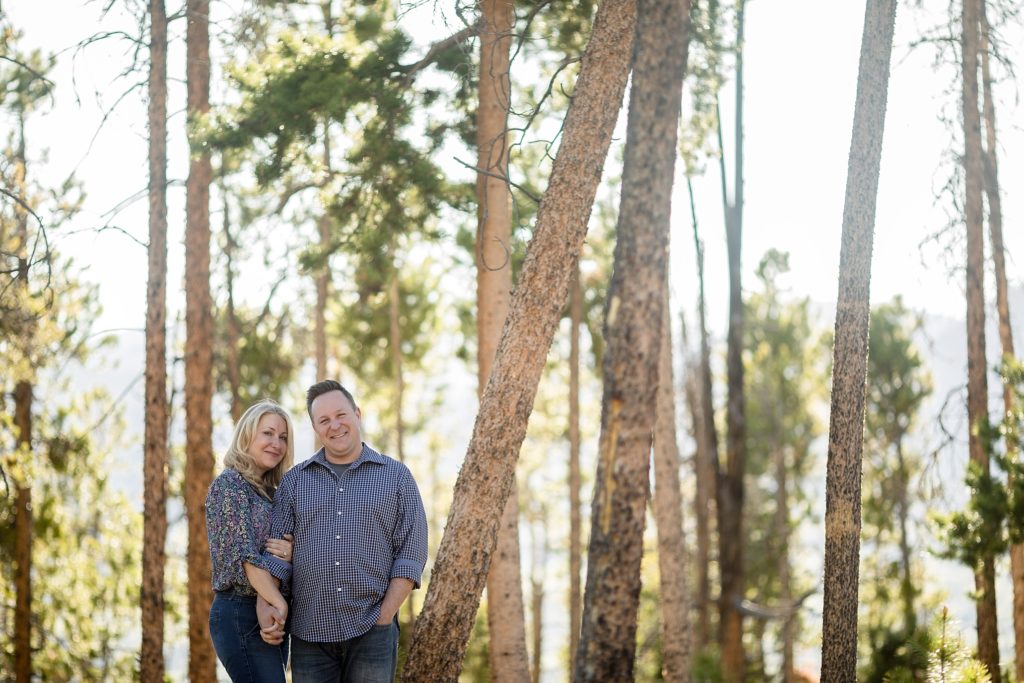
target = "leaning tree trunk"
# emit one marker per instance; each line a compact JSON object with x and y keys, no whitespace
{"x":198,"y":347}
{"x":668,"y":514}
{"x":505,"y":613}
{"x":995,"y":224}
{"x":849,"y":360}
{"x":486,"y":477}
{"x":730,"y":485}
{"x":977,"y":383}
{"x":633,"y":330}
{"x":154,"y":466}
{"x":575,"y":516}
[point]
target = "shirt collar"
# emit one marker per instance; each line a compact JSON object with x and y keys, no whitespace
{"x":367,"y":455}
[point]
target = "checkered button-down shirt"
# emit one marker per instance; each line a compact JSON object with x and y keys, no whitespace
{"x":353,"y":534}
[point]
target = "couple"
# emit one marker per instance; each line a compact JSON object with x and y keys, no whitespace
{"x":360,"y":544}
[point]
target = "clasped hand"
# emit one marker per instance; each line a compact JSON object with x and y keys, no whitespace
{"x":272,"y":619}
{"x":281,"y":548}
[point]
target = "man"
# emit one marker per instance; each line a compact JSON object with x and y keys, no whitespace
{"x":360,"y":548}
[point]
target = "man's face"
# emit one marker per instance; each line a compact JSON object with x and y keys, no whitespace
{"x":336,"y":423}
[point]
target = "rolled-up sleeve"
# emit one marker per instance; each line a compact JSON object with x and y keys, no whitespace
{"x":410,"y":539}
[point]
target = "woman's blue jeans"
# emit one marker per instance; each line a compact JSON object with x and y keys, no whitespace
{"x":236,"y":638}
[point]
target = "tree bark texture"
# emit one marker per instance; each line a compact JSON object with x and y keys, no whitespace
{"x":977,"y":369}
{"x":154,"y":463}
{"x":995,"y":224}
{"x":575,"y":486}
{"x":23,"y":426}
{"x":505,"y":610}
{"x":234,"y":333}
{"x":707,"y":466}
{"x":23,"y":528}
{"x":730,"y":486}
{"x":198,"y":351}
{"x":782,"y":536}
{"x":668,"y":514}
{"x":486,"y":477}
{"x":633,"y":330}
{"x":849,"y":364}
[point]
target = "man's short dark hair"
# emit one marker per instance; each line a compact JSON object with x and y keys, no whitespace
{"x":325,"y":387}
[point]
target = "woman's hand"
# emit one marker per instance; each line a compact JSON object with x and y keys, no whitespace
{"x":281,"y":548}
{"x":271,"y":621}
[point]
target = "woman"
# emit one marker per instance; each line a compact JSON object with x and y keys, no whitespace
{"x":238,"y":525}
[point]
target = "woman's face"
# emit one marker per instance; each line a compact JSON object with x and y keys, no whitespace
{"x":270,"y":444}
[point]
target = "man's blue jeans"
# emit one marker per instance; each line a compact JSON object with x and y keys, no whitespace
{"x":236,"y":638}
{"x":369,"y":658}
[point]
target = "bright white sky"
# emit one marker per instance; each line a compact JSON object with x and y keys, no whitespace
{"x":801,"y":69}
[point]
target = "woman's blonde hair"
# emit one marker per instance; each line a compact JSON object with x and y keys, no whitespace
{"x":238,"y":458}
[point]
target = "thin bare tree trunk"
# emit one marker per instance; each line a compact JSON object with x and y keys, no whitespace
{"x":849,"y":364}
{"x":633,"y":330}
{"x":707,"y":466}
{"x":903,"y":513}
{"x":782,"y":536}
{"x":395,"y":344}
{"x":995,"y":224}
{"x":668,"y":514}
{"x":322,"y":280}
{"x":23,"y":530}
{"x":198,"y":352}
{"x":154,"y":467}
{"x":505,"y":611}
{"x":486,"y":476}
{"x":23,"y":425}
{"x":234,"y":334}
{"x":977,"y":381}
{"x":575,"y":516}
{"x":537,"y":605}
{"x":731,"y":484}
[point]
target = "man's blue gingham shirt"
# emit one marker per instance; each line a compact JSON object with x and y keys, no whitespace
{"x":353,"y":534}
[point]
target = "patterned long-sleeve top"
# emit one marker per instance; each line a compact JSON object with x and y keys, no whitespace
{"x":354,"y":533}
{"x":238,"y":526}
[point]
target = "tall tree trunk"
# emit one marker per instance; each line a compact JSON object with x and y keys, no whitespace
{"x":633,"y":329}
{"x":234,"y":334}
{"x":782,"y":538}
{"x":486,"y":476}
{"x":505,"y":612}
{"x":23,"y":425}
{"x":395,"y":344}
{"x":322,"y":279}
{"x":198,"y":347}
{"x":154,"y":466}
{"x":575,"y":516}
{"x":23,"y":530}
{"x":730,"y":486}
{"x":903,"y":514}
{"x":537,"y":607}
{"x":995,"y":224}
{"x":849,"y":360}
{"x":977,"y":382}
{"x":668,"y":514}
{"x":707,"y":467}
